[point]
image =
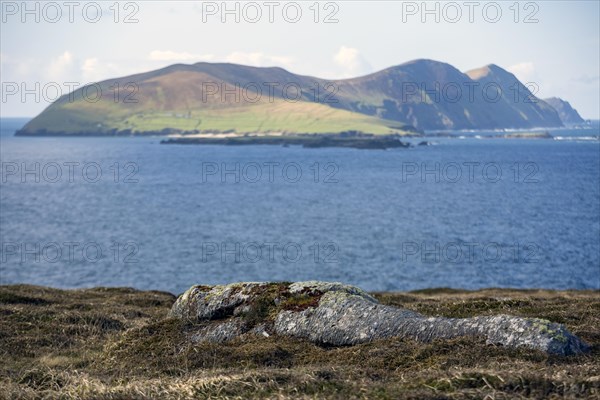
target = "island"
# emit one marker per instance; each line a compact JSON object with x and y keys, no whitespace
{"x":184,"y":100}
{"x":353,"y":139}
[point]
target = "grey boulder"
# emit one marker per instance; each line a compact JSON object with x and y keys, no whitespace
{"x":338,"y":314}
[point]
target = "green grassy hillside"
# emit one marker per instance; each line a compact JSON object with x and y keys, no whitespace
{"x":182,"y":99}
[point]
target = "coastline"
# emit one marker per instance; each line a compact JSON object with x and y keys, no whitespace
{"x":117,"y":342}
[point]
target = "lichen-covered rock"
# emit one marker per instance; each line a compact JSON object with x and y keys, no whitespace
{"x":219,"y":332}
{"x":338,"y":314}
{"x":215,"y":302}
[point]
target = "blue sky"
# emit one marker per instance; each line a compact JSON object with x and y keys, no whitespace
{"x":558,"y":48}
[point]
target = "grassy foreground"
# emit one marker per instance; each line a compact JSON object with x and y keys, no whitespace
{"x":115,"y":343}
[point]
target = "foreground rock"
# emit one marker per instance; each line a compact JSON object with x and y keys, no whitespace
{"x":338,"y":314}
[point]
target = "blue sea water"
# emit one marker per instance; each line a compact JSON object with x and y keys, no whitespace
{"x":463,"y":213}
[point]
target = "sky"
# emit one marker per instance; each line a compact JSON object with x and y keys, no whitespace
{"x":46,"y":48}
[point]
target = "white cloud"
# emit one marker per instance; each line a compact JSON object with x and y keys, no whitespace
{"x":61,"y":68}
{"x":89,"y":66}
{"x":16,"y":69}
{"x":93,"y":70}
{"x":351,"y":62}
{"x":524,"y":71}
{"x":587,"y":79}
{"x":168,"y":55}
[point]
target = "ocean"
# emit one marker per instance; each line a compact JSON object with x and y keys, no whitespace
{"x":465,"y":212}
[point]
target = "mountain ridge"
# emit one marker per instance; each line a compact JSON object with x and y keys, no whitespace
{"x":566,"y":112}
{"x":205,"y":97}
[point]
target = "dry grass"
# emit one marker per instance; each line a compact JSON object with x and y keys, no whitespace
{"x":115,"y":344}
